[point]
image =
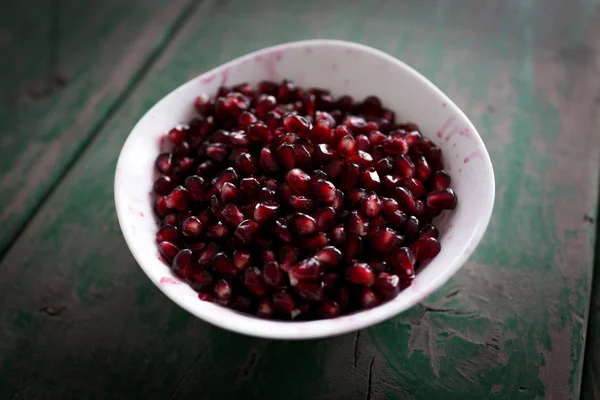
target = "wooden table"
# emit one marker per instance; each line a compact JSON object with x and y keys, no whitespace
{"x":79,"y":319}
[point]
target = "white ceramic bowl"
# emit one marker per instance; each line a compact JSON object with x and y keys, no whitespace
{"x":344,"y":68}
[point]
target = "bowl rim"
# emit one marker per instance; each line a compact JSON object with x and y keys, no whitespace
{"x":298,"y":330}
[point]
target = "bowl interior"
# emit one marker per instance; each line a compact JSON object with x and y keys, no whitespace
{"x":343,"y":68}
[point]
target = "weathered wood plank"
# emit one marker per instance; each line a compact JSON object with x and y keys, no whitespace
{"x":66,"y":64}
{"x":78,"y":319}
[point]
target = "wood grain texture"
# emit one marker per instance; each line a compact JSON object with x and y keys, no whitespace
{"x":78,"y":319}
{"x":66,"y":67}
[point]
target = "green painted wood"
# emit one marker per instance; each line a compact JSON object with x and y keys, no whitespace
{"x":78,"y":319}
{"x":65,"y":66}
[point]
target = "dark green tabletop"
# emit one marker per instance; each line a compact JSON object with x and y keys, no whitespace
{"x":79,"y":319}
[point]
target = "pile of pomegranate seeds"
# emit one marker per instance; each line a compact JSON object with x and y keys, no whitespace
{"x":288,"y":203}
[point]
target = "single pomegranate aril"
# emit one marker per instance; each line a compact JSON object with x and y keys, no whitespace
{"x":250,"y":187}
{"x":240,"y":303}
{"x":384,"y":240}
{"x":338,"y":234}
{"x":218,"y":231}
{"x":182,"y":263}
{"x":441,"y":180}
{"x":246,"y":231}
{"x":303,"y":224}
{"x":228,"y":175}
{"x":232,"y":215}
{"x":265,"y":211}
{"x":265,"y":309}
{"x":316,"y":241}
{"x":283,"y":301}
{"x":329,"y":309}
{"x":230,"y":193}
{"x":246,"y":164}
{"x":259,"y":131}
{"x":204,"y":105}
{"x":326,"y":218}
{"x":217,"y":151}
{"x":347,"y":146}
{"x":223,"y":265}
{"x":223,"y":290}
{"x":265,"y":104}
{"x":324,"y":153}
{"x":361,"y":274}
{"x":414,"y":186}
{"x":371,"y":205}
{"x":352,"y":248}
{"x":308,"y":269}
{"x":384,"y":166}
{"x":178,"y":198}
{"x":164,"y":163}
{"x":196,"y":186}
{"x":356,"y":225}
{"x":350,"y":176}
{"x":403,"y":261}
{"x":167,"y":233}
{"x":324,"y":191}
{"x":281,"y":230}
{"x":286,"y":156}
{"x":164,"y":185}
{"x":170,"y":219}
{"x":426,"y":249}
{"x":405,"y":199}
{"x":272,"y":274}
{"x":297,"y":124}
{"x":423,"y":171}
{"x":411,"y":228}
{"x":387,"y":285}
{"x":428,"y":231}
{"x":205,"y":258}
{"x":368,"y":298}
{"x":442,"y":198}
{"x":267,"y":161}
{"x":253,"y":281}
{"x":241,"y":260}
{"x":299,"y":181}
{"x":370,"y":180}
{"x":168,"y":251}
{"x":395,"y":144}
{"x":310,"y":290}
{"x":404,"y":166}
{"x":329,"y":255}
{"x":191,"y":227}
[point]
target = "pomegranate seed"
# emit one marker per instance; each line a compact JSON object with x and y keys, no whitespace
{"x":297,"y":124}
{"x":363,"y":143}
{"x":283,"y":301}
{"x":265,"y":309}
{"x":191,"y":227}
{"x":338,"y":203}
{"x":205,"y":258}
{"x":318,"y":174}
{"x":218,"y":231}
{"x":196,"y":186}
{"x":329,"y":309}
{"x":228,"y":175}
{"x":250,"y":187}
{"x":201,"y":279}
{"x":428,"y":231}
{"x":370,"y":180}
{"x":265,"y":211}
{"x":404,"y":166}
{"x":405,"y":199}
{"x":230,"y":193}
{"x":368,"y":298}
{"x":325,"y":218}
{"x":266,"y":194}
{"x":347,"y":146}
{"x":286,"y":92}
{"x":223,"y":290}
{"x":170,"y":219}
{"x":362,"y":158}
{"x":310,"y":290}
{"x":168,"y":251}
{"x":164,"y":185}
{"x":246,"y":164}
{"x":356,"y":225}
{"x":301,"y":203}
{"x":286,"y":156}
{"x":240,"y":303}
{"x":329,"y":255}
{"x":411,"y":228}
{"x":167,"y":233}
{"x":306,"y":270}
{"x":206,"y":169}
{"x":204,"y":105}
{"x":361,"y":274}
{"x":223,"y":265}
{"x":384,"y":240}
{"x":378,"y":266}
{"x":178,"y":198}
{"x":181,"y":150}
{"x":403,"y":261}
{"x":423,"y":171}
{"x":338,"y":234}
{"x":241,"y":260}
{"x":442,"y":198}
{"x":350,"y":175}
{"x":425,"y":249}
{"x":324,"y":191}
{"x":316,"y":241}
{"x":272,"y":274}
{"x":355,"y":196}
{"x":217,"y":151}
{"x":353,"y":248}
{"x":441,"y":180}
{"x":253,"y":281}
{"x":414,"y":186}
{"x":265,"y":104}
{"x":164,"y":163}
{"x":356,"y":124}
{"x":259,"y":131}
{"x":371,"y":205}
{"x":299,"y":181}
{"x":281,"y":230}
{"x":395,"y":144}
{"x":160,"y":207}
{"x":182,"y":263}
{"x":232,"y":214}
{"x":303,"y":224}
{"x":384,"y":166}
